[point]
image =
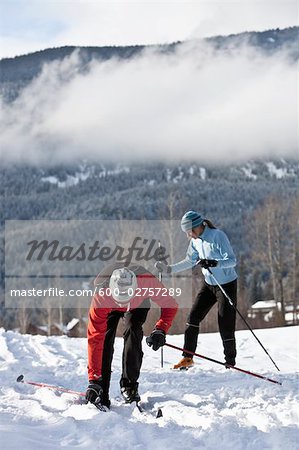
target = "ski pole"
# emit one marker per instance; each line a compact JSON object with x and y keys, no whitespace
{"x":224,"y":364}
{"x":160,"y":279}
{"x":20,"y":379}
{"x":243,"y":318}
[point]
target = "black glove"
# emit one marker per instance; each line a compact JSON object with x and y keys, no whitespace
{"x":160,"y":254}
{"x":206,"y":263}
{"x":156,"y":340}
{"x":162,"y":266}
{"x":94,"y":393}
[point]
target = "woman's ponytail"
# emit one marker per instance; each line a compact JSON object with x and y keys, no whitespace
{"x":209,"y":223}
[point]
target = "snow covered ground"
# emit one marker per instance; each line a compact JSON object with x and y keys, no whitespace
{"x":207,"y":407}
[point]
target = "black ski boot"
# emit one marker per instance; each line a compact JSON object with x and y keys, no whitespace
{"x":230,"y":352}
{"x":129,"y":392}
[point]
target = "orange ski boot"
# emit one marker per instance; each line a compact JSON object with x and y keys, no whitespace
{"x":184,"y":364}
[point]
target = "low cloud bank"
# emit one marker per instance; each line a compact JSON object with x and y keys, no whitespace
{"x":194,"y":104}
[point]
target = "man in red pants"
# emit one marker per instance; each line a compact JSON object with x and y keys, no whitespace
{"x":124,"y":292}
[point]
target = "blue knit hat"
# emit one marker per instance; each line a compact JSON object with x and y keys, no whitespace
{"x":190,"y":220}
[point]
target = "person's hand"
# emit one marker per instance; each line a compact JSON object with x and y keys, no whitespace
{"x":156,"y":340}
{"x":160,"y":254}
{"x":207,"y":263}
{"x":94,"y":392}
{"x":162,"y":266}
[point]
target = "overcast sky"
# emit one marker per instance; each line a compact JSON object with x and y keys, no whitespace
{"x":30,"y":25}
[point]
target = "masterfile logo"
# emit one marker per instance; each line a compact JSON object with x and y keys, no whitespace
{"x":58,"y":257}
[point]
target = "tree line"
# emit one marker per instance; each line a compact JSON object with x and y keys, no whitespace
{"x":269,"y":271}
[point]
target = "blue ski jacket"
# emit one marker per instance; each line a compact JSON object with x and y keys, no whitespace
{"x":211,"y":244}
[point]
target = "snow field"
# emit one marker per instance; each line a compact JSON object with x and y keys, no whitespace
{"x":207,"y":407}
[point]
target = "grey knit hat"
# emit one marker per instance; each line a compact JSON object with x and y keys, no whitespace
{"x":190,"y":220}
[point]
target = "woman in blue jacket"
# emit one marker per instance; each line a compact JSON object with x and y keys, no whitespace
{"x":210,"y":248}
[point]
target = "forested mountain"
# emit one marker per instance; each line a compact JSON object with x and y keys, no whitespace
{"x":16,"y":73}
{"x":226,"y":194}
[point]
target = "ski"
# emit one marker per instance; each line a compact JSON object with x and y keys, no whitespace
{"x":141,"y":408}
{"x":81,"y":401}
{"x":21,"y":379}
{"x":182,"y":369}
{"x":101,"y":408}
{"x":157,"y":414}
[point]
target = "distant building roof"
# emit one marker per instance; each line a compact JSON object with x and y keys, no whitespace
{"x":264,"y":304}
{"x":72,"y":324}
{"x":271,"y":304}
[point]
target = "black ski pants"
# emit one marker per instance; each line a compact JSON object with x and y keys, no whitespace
{"x":132,"y":351}
{"x":205,"y":299}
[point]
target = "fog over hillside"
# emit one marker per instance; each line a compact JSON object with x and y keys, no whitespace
{"x":225,"y":98}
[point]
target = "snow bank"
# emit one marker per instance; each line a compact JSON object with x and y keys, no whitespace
{"x":205,"y":408}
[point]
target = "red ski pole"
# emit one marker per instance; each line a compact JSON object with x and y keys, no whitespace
{"x":225,"y":364}
{"x":20,"y":379}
